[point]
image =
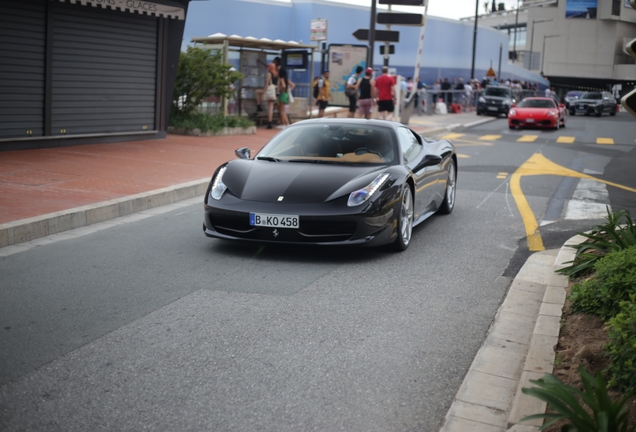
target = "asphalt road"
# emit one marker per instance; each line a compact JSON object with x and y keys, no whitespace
{"x":148,"y":325}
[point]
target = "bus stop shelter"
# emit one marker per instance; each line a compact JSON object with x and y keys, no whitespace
{"x":253,"y":65}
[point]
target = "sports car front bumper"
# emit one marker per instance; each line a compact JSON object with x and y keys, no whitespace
{"x":372,"y":224}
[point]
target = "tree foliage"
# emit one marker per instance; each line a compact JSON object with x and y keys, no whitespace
{"x":201,"y":73}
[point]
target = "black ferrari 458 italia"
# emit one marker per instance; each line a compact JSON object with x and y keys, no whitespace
{"x":333,"y":182}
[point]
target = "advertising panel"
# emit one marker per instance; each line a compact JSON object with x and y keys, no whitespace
{"x":581,"y":9}
{"x":343,"y":61}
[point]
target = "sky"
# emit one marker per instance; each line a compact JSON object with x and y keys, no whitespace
{"x":452,"y":9}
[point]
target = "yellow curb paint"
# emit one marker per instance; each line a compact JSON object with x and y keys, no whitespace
{"x":489,"y":137}
{"x":528,"y":138}
{"x":453,"y":136}
{"x":566,"y":139}
{"x":540,"y":165}
{"x":604,"y":141}
{"x":462,"y":156}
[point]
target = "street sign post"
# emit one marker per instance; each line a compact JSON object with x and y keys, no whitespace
{"x":407,"y":19}
{"x":318,"y":30}
{"x":380,"y":35}
{"x":383,"y":49}
{"x":629,"y":100}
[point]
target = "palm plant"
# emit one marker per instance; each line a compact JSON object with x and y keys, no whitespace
{"x":617,"y":234}
{"x":589,"y":410}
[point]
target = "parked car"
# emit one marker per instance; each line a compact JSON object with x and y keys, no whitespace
{"x":333,"y":182}
{"x":571,"y":97}
{"x":538,"y":112}
{"x":595,"y":103}
{"x":495,"y":100}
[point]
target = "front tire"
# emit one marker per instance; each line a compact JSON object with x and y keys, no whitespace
{"x":451,"y":190}
{"x":405,"y":221}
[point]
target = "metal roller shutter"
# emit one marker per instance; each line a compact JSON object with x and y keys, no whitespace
{"x":22,"y":67}
{"x":104,"y":71}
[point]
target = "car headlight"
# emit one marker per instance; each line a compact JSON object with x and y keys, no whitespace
{"x":482,"y":99}
{"x":598,"y":103}
{"x":362,"y":195}
{"x":512,"y":112}
{"x":506,"y":103}
{"x":552,"y":113}
{"x":218,"y":187}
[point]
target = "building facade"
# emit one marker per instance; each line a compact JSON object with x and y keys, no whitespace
{"x":87,"y":70}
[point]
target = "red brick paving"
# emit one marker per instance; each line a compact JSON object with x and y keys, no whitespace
{"x":36,"y":182}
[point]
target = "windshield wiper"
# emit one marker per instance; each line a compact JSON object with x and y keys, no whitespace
{"x":268,"y":158}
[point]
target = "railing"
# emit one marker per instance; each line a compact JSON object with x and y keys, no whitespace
{"x":468,"y":102}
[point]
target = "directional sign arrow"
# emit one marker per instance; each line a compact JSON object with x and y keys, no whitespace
{"x":380,"y":35}
{"x":394,"y":18}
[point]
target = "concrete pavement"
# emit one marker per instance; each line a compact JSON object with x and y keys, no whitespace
{"x":49,"y":191}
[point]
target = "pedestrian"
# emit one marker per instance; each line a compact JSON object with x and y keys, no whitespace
{"x":460,"y":88}
{"x":265,"y":94}
{"x":386,"y":93}
{"x":324,"y":93}
{"x":468,"y":92}
{"x":351,"y":90}
{"x":437,"y":88}
{"x":283,"y":97}
{"x":367,"y":89}
{"x":446,"y":89}
{"x":420,"y":97}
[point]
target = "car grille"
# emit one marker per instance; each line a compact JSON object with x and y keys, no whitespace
{"x":310,"y":231}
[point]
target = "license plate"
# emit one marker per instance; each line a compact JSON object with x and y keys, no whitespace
{"x":529,"y":120}
{"x":493,"y":108}
{"x":273,"y":220}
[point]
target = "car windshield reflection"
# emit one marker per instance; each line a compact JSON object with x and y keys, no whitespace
{"x":590,"y":95}
{"x":350,"y":144}
{"x":536,"y":103}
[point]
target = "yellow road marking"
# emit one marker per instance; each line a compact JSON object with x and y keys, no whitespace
{"x":528,"y":138}
{"x":604,"y":141}
{"x":453,"y":136}
{"x":540,"y":165}
{"x":462,"y":156}
{"x":566,"y":139}
{"x":502,"y":175}
{"x":489,"y":137}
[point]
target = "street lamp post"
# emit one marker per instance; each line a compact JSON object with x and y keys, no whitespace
{"x":532,"y":38}
{"x":543,"y":50}
{"x":514,"y":45}
{"x":472,"y":68}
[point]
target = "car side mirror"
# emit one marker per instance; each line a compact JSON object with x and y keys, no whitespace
{"x":429,"y":160}
{"x":243,"y":153}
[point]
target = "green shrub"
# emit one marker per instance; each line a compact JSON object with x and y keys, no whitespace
{"x":621,"y":348}
{"x":617,"y":234}
{"x":207,"y":122}
{"x":614,"y":281}
{"x":590,"y":410}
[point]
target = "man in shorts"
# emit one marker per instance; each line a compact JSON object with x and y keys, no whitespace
{"x":351,"y":90}
{"x":385,"y":85}
{"x":367,"y":94}
{"x":324,"y":93}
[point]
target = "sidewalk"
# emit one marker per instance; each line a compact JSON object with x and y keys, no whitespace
{"x":48,"y":191}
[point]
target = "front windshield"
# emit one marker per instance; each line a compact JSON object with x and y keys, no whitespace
{"x":591,"y":95}
{"x":497,"y":91}
{"x":573,"y":94}
{"x":537,"y":103}
{"x":331,"y":143}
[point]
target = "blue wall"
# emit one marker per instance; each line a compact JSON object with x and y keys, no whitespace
{"x":447,"y":43}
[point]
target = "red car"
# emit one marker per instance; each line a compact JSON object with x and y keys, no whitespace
{"x":539,"y":112}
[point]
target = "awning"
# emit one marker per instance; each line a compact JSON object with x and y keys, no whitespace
{"x":251,"y":42}
{"x":134,"y":7}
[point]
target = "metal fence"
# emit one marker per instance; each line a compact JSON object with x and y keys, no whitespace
{"x":426,"y":99}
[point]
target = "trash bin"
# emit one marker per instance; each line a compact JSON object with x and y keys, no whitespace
{"x":407,"y":110}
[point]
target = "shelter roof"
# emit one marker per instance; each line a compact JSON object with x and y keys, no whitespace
{"x":251,"y":42}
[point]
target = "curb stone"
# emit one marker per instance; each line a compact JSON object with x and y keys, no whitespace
{"x":24,"y":230}
{"x":519,"y":347}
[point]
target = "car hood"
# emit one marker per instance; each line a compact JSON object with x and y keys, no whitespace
{"x":497,"y":98}
{"x":589,"y":101}
{"x":533,"y":112}
{"x":298,"y":183}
